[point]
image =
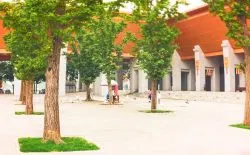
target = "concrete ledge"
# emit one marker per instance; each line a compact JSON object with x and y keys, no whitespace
{"x":224,"y":97}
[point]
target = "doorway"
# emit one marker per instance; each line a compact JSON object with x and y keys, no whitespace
{"x":237,"y":79}
{"x":209,"y":71}
{"x":222,"y":79}
{"x":184,"y":80}
{"x":208,"y":83}
{"x":171,"y":80}
{"x":136,"y":89}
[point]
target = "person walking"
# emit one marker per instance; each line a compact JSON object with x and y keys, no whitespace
{"x":158,"y":96}
{"x":149,"y":95}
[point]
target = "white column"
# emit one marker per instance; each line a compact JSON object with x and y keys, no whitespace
{"x":97,"y":88}
{"x":176,"y":71}
{"x":229,"y":66}
{"x":133,"y":77}
{"x":62,"y":72}
{"x":199,"y":68}
{"x":17,"y":87}
{"x":78,"y":83}
{"x":143,"y":82}
{"x":104,"y":89}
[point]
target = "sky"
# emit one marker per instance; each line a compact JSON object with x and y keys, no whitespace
{"x":192,"y":5}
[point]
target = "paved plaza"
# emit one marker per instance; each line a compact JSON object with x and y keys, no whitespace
{"x":197,"y":128}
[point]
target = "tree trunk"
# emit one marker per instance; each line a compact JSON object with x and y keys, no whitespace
{"x":51,"y":106}
{"x":24,"y":92}
{"x":29,"y":97}
{"x":247,"y":101}
{"x":1,"y":84}
{"x":243,"y":21}
{"x":21,"y":94}
{"x":153,"y":96}
{"x":88,"y":97}
{"x":110,"y":92}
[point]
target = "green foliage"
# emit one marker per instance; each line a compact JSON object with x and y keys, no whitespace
{"x":6,"y":71}
{"x":242,"y":126}
{"x":71,"y":71}
{"x":85,"y":57}
{"x":242,"y":67}
{"x":40,"y":78}
{"x":95,"y":49}
{"x":35,"y":27}
{"x":235,"y":14}
{"x":34,"y":113}
{"x":156,"y":111}
{"x":27,"y":41}
{"x":105,"y":30}
{"x":154,"y":51}
{"x":40,"y":23}
{"x":70,"y":144}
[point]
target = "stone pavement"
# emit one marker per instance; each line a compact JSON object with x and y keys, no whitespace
{"x":197,"y":128}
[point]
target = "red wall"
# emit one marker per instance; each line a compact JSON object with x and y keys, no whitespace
{"x":201,"y":28}
{"x":2,"y":33}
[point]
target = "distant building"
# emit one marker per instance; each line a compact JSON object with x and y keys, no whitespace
{"x":205,"y":61}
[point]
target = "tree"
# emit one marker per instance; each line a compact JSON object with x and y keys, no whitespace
{"x":236,"y":14}
{"x":85,"y":58}
{"x":61,"y":18}
{"x":155,"y":49}
{"x":106,"y":29}
{"x":29,"y":49}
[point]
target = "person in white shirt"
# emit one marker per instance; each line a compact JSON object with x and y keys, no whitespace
{"x":158,"y":97}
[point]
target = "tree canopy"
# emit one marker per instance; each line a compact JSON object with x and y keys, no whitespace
{"x":106,"y":31}
{"x":26,"y":41}
{"x":85,"y":57}
{"x":154,"y":51}
{"x":57,"y":20}
{"x":235,"y":14}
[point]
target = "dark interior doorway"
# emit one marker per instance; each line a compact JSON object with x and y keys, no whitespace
{"x":184,"y":80}
{"x":208,"y":83}
{"x":237,"y":80}
{"x":222,"y":79}
{"x":171,"y":80}
{"x":137,"y":81}
{"x":124,"y":69}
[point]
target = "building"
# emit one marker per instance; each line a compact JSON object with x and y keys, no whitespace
{"x":205,"y":61}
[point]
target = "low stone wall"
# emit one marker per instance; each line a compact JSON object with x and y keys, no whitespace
{"x":223,"y":97}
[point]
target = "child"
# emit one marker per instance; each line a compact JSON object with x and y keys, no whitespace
{"x":149,"y":95}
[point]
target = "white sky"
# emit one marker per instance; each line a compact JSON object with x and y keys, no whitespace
{"x":192,"y":5}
